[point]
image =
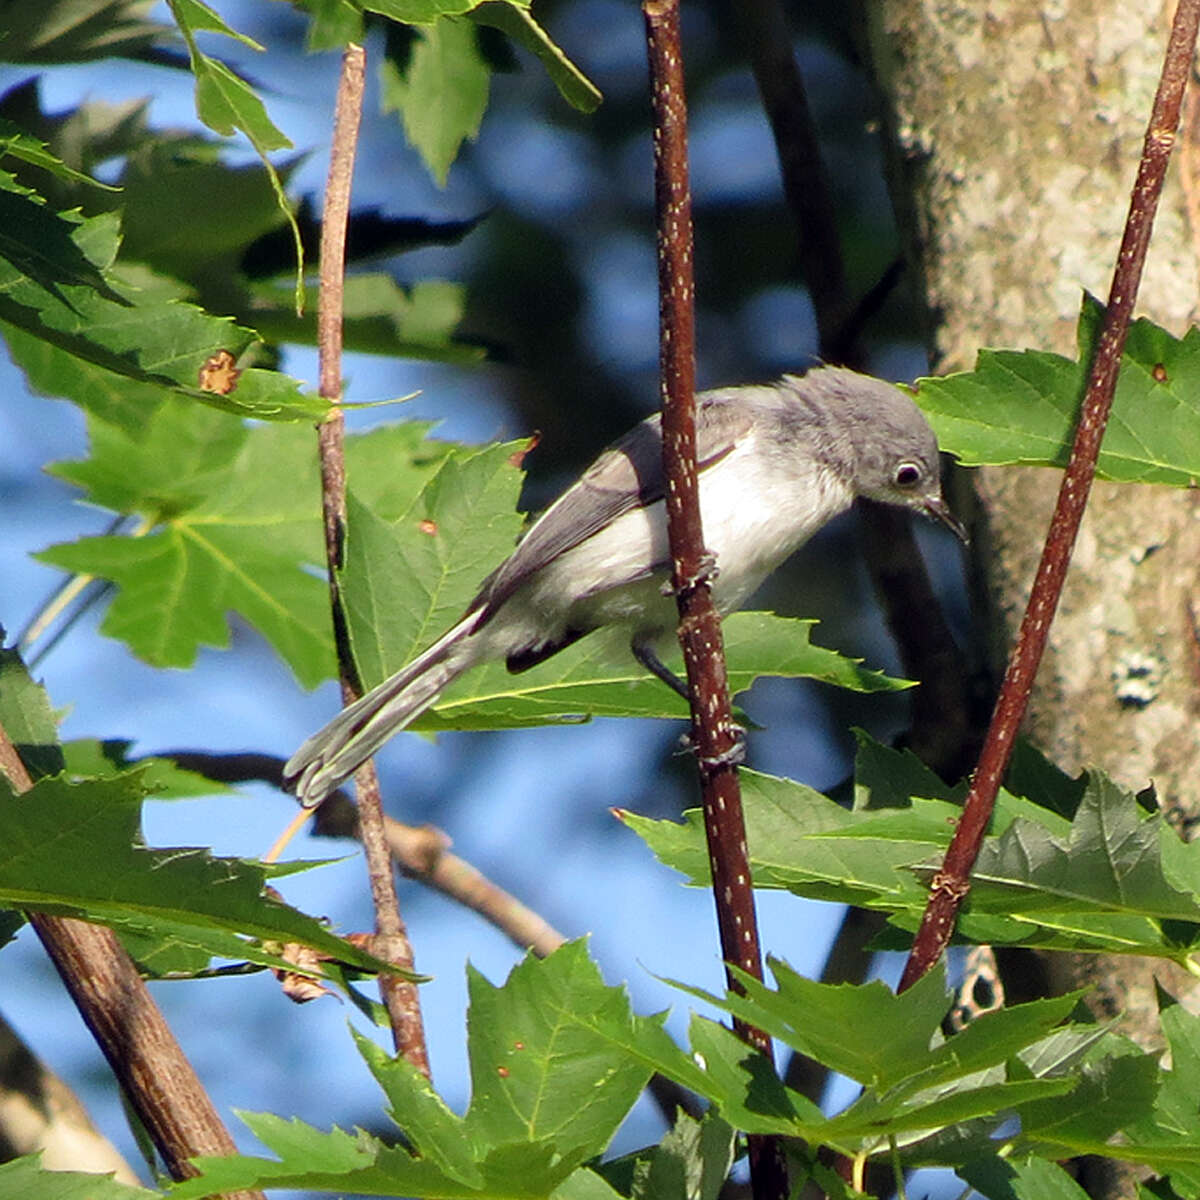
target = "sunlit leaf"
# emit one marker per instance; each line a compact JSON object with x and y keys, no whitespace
{"x":1021,"y":406}
{"x":441,"y":91}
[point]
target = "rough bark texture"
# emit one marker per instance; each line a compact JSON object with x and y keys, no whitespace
{"x":1016,"y":129}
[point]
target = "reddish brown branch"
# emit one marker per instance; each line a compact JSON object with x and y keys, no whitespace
{"x":951,"y":884}
{"x":714,"y":736}
{"x":130,"y":1029}
{"x":391,"y":942}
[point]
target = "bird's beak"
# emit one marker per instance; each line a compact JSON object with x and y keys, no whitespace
{"x":936,"y":507}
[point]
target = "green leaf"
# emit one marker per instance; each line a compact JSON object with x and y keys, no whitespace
{"x":759,"y":644}
{"x":75,"y":849}
{"x":1027,"y":1178}
{"x":543,"y":1060}
{"x":743,"y":1084}
{"x":46,"y":248}
{"x":888,"y":778}
{"x":381,"y":317}
{"x":692,"y":1161}
{"x":117,"y":353}
{"x":11,"y":923}
{"x":1116,"y":879}
{"x":1112,"y":861}
{"x":198,"y":17}
{"x":79,"y":31}
{"x":1114,"y":1092}
{"x":439,"y":1135}
{"x":417,"y":12}
{"x":1032,"y":775}
{"x":1020,"y":407}
{"x":585,"y":1184}
{"x":214,"y":491}
{"x":916,"y":1083}
{"x":518,"y":23}
{"x":26,"y":716}
{"x":16,"y":143}
{"x":557,"y":1060}
{"x":163,"y":778}
{"x":824,"y":1021}
{"x":407,"y":581}
{"x":1170,"y":1129}
{"x":805,"y":842}
{"x":441,"y":92}
{"x":230,"y":519}
{"x":25,"y":1177}
{"x":190,"y":215}
{"x":226,"y":103}
{"x":334,"y":23}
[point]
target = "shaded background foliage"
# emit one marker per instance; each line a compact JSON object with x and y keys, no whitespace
{"x":556,"y":256}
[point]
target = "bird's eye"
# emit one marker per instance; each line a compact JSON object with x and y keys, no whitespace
{"x":908,"y":475}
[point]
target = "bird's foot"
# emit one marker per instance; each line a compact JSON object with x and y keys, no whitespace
{"x":734,"y":756}
{"x":706,"y":572}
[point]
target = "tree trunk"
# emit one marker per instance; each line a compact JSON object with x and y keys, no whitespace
{"x":1016,"y":129}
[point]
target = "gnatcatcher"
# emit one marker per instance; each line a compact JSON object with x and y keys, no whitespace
{"x":776,"y":463}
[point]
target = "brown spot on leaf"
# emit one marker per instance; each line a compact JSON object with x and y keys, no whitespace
{"x":219,"y":373}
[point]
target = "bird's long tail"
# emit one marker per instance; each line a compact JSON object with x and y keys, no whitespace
{"x":338,"y":749}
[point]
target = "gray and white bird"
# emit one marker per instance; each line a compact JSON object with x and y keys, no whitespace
{"x":776,"y":463}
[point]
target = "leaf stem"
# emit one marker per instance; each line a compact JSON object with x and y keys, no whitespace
{"x":399,"y":997}
{"x":67,"y":592}
{"x":714,"y":735}
{"x":951,"y":884}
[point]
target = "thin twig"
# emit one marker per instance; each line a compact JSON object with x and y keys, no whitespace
{"x":116,"y":1006}
{"x":951,"y":884}
{"x":421,"y":852}
{"x":64,"y":595}
{"x":714,"y":735}
{"x":399,"y":996}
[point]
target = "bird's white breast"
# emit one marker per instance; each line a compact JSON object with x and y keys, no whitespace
{"x":757,"y":509}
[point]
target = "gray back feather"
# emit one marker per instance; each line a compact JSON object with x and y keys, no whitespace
{"x":628,"y":474}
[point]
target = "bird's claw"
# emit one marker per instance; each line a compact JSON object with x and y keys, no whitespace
{"x":706,"y":572}
{"x":734,"y":756}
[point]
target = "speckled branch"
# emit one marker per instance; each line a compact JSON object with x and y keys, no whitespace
{"x":714,"y":736}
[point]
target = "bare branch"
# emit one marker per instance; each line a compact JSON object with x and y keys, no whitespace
{"x":399,"y":996}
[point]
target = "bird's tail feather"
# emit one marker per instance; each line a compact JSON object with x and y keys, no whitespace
{"x":338,"y":749}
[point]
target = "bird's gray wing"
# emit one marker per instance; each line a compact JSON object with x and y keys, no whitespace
{"x":627,"y":475}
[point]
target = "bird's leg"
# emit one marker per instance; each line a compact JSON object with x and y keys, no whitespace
{"x":643,"y":651}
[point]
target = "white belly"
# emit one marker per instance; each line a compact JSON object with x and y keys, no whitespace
{"x":755,"y":510}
